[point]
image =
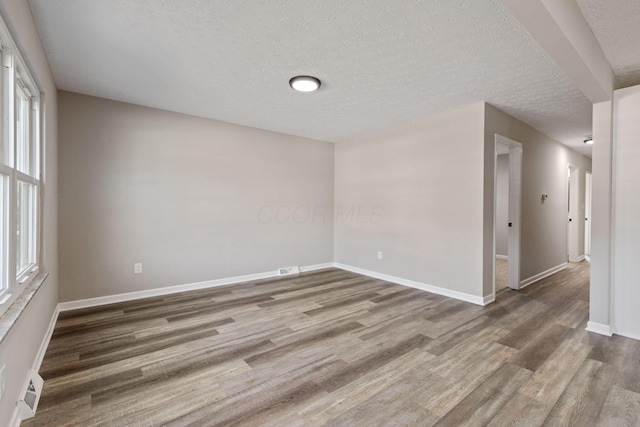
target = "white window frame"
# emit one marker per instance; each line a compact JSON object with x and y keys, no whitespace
{"x":14,"y":72}
{"x":31,"y":270}
{"x":21,"y":91}
{"x":5,"y":220}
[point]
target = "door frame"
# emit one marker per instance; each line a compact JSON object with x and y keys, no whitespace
{"x":515,"y":207}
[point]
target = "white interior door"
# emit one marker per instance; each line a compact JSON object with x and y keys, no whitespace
{"x":587,"y":215}
{"x":515,"y":190}
{"x":573,"y":213}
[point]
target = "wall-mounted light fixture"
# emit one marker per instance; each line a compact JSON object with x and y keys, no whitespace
{"x":305,"y":83}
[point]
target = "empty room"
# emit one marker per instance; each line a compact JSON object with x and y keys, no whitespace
{"x":319,"y":213}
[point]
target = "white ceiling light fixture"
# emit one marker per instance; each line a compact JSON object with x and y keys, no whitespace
{"x":588,"y":141}
{"x":305,"y":83}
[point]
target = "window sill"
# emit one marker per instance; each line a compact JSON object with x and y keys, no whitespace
{"x":11,"y":316}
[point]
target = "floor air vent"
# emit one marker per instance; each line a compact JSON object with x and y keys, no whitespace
{"x":28,"y":404}
{"x":286,"y":271}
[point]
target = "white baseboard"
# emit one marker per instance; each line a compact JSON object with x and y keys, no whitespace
{"x":580,"y":258}
{"x":623,"y":334}
{"x":15,"y":418}
{"x":46,"y":339}
{"x":599,"y":328}
{"x":588,"y":258}
{"x":316,"y":267}
{"x":542,"y":275}
{"x":413,"y":284}
{"x":488,"y":299}
{"x":502,"y":256}
{"x":129,"y":296}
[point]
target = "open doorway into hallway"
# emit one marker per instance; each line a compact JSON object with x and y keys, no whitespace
{"x":507,"y":205}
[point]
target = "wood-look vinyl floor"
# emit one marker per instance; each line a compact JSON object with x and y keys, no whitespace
{"x":336,"y":348}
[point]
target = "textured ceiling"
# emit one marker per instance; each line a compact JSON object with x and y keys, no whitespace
{"x":616,"y":25}
{"x":382,"y":63}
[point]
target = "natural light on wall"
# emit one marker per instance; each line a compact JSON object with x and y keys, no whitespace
{"x":19,"y":173}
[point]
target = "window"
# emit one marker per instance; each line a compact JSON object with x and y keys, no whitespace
{"x":19,"y":174}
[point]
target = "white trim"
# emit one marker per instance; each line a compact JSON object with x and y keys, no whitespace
{"x":588,"y":258}
{"x":417,"y":285}
{"x":488,"y":299}
{"x":316,"y":267}
{"x":46,"y":339}
{"x":17,"y":80}
{"x":617,"y":332}
{"x":581,"y":258}
{"x":599,"y":328}
{"x":15,"y":418}
{"x":502,"y":256}
{"x":544,"y":274}
{"x":128,"y":296}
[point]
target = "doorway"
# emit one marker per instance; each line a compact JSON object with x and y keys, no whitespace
{"x":507,"y":202}
{"x":573,"y":221}
{"x":587,"y":216}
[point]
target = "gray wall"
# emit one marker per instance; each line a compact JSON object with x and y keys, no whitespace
{"x":423,"y":179}
{"x":418,"y":190}
{"x":502,"y":205}
{"x":544,"y":170}
{"x":626,"y":212}
{"x":19,"y":349}
{"x":192,"y":199}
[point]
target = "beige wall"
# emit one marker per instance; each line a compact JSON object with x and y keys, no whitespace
{"x":192,"y":199}
{"x":19,"y":349}
{"x":418,"y":190}
{"x":544,"y":170}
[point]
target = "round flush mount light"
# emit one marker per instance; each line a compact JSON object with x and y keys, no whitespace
{"x":304,"y":83}
{"x":588,"y":141}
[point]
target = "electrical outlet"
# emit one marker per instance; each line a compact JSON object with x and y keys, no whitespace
{"x":379,"y":254}
{"x":137,"y":268}
{"x":2,"y":381}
